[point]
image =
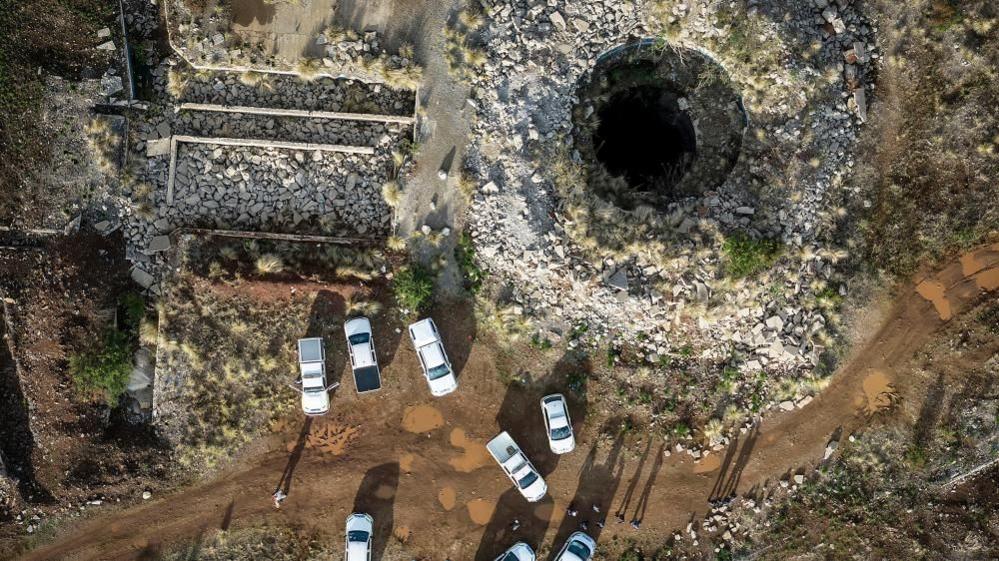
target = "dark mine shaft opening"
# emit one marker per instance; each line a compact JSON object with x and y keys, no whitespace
{"x":644,"y":137}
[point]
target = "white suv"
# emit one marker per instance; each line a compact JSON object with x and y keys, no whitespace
{"x":359,"y":528}
{"x":433,"y":359}
{"x":579,"y":547}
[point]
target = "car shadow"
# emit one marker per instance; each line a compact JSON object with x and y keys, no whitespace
{"x":455,"y":320}
{"x":17,"y":441}
{"x":326,"y":321}
{"x":376,"y":497}
{"x":514,"y":520}
{"x":520,"y":412}
{"x":599,"y":479}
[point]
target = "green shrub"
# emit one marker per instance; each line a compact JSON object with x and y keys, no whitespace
{"x":464,"y":254}
{"x":746,"y":256}
{"x":104,"y":371}
{"x":630,"y":555}
{"x":134,"y":308}
{"x":414,"y":287}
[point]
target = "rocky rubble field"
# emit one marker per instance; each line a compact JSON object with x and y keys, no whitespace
{"x":256,"y":188}
{"x":287,"y":91}
{"x":660,"y":278}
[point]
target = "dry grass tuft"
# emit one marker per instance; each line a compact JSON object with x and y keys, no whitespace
{"x":269,"y":263}
{"x":392,"y":193}
{"x":308,"y":69}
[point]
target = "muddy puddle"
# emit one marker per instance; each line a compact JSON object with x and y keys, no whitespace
{"x":988,"y":280}
{"x":879,"y":394}
{"x":474,"y":456}
{"x":936,"y":293}
{"x":448,"y":497}
{"x":480,"y":511}
{"x":406,"y":462}
{"x":709,"y":463}
{"x":402,"y":534}
{"x":422,"y":418}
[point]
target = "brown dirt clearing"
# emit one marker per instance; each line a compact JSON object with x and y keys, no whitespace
{"x":608,"y":469}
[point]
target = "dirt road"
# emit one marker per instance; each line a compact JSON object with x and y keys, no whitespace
{"x":417,"y":465}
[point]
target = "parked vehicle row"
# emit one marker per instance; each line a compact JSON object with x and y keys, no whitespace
{"x":360,"y":530}
{"x":364,"y":363}
{"x":440,"y":377}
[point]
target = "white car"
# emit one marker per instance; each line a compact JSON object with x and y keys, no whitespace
{"x":433,"y":359}
{"x":312,"y":364}
{"x":359,"y":529}
{"x":517,"y":467}
{"x":579,"y":547}
{"x":519,"y":552}
{"x":363,"y":361}
{"x":558,"y":425}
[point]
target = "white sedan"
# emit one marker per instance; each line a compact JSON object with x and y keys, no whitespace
{"x":579,"y":547}
{"x":359,"y":528}
{"x":558,"y":425}
{"x":433,"y":359}
{"x":519,"y":552}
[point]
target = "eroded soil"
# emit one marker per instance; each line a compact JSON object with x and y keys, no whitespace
{"x":447,"y":512}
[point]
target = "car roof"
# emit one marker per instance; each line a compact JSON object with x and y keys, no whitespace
{"x":312,"y":369}
{"x":423,"y":332}
{"x":433,"y":354}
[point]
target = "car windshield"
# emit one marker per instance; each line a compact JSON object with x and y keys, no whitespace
{"x":510,"y":557}
{"x":357,"y":536}
{"x":579,"y":549}
{"x":527,"y":480}
{"x":561,"y":433}
{"x":359,"y":338}
{"x":439,"y":371}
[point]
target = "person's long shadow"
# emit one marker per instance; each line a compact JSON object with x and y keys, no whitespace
{"x":598,"y":482}
{"x":284,"y":484}
{"x":728,"y":482}
{"x":501,"y":532}
{"x":629,"y":493}
{"x":643,"y":500}
{"x":376,"y":497}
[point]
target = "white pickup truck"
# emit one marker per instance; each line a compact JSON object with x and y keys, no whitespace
{"x":312,"y":364}
{"x":517,"y":467}
{"x":363,"y":361}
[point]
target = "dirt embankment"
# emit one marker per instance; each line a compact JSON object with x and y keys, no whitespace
{"x":410,"y":468}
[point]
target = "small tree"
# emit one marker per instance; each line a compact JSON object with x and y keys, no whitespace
{"x":104,"y":372}
{"x":414,"y":287}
